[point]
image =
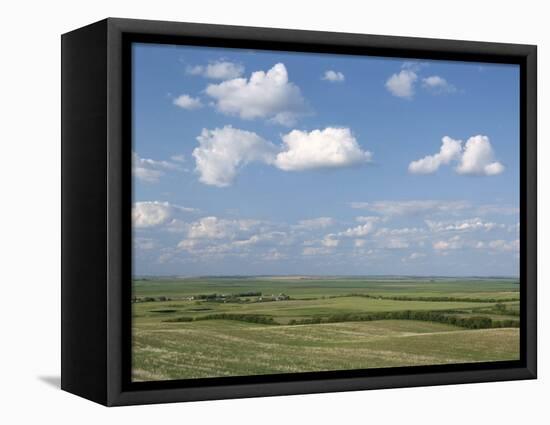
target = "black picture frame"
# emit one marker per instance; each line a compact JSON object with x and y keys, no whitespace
{"x":96,"y":211}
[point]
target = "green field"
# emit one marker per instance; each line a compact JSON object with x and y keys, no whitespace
{"x":234,"y":326}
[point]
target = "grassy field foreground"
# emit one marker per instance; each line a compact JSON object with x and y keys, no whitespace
{"x":214,"y":327}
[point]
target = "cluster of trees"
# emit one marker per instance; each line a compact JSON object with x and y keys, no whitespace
{"x":250,"y":318}
{"x":500,"y":308}
{"x":474,"y":322}
{"x":505,"y":323}
{"x":208,"y":297}
{"x":232,"y":298}
{"x":149,"y":299}
{"x":248,"y":294}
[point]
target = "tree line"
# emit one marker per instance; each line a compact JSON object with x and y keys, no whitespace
{"x":436,"y":299}
{"x":474,"y":322}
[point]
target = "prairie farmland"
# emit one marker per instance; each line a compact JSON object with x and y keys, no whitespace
{"x":186,"y":328}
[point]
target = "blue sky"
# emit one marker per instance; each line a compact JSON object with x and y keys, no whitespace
{"x":257,"y":162}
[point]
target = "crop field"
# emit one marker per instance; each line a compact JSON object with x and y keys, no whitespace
{"x":236,"y":326}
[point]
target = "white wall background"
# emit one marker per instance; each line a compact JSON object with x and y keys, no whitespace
{"x":30,"y":211}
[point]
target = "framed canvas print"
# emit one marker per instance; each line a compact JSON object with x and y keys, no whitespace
{"x":253,"y":212}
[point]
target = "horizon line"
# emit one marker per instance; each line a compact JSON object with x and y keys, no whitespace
{"x":324,"y":275}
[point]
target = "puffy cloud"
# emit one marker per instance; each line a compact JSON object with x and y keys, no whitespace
{"x":358,"y":231}
{"x":393,"y":208}
{"x":456,"y":242}
{"x":149,"y":214}
{"x":223,"y":151}
{"x":214,"y":237}
{"x":218,"y":70}
{"x":209,"y":228}
{"x":150,"y":170}
{"x":478,"y":158}
{"x":333,"y":76}
{"x":328,"y":148}
{"x":147,"y":175}
{"x":260,"y":238}
{"x":402,"y":84}
{"x":266,"y":95}
{"x":187,"y":102}
{"x":154,"y":213}
{"x":215,"y":228}
{"x":461,"y":225}
{"x":437,"y":85}
{"x":218,"y":237}
{"x":450,"y":150}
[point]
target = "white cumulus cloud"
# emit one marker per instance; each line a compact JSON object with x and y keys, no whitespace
{"x":328,"y":148}
{"x":333,"y":76}
{"x":223,"y":151}
{"x":461,"y":225}
{"x":187,"y":102}
{"x":217,"y":70}
{"x":402,"y":84}
{"x":212,"y":227}
{"x":358,"y":231}
{"x":476,"y":157}
{"x":267,"y":95}
{"x":450,"y":150}
{"x":437,"y":85}
{"x":156,"y":213}
{"x":150,"y":213}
